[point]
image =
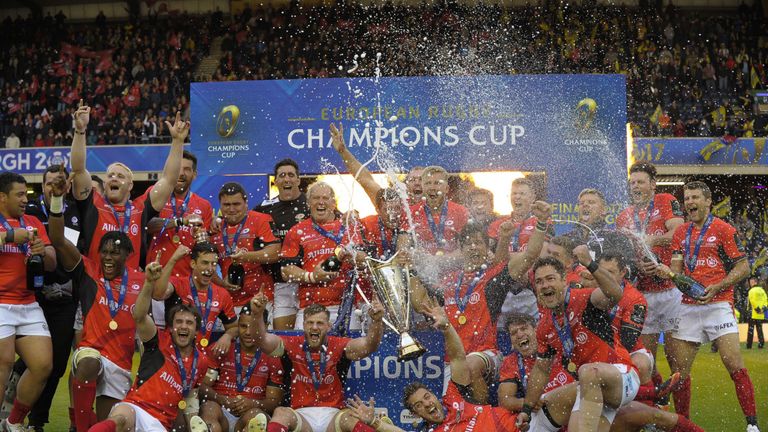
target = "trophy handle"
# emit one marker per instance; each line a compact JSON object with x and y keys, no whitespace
{"x":365,"y":299}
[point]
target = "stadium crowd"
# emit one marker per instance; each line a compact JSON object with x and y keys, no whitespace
{"x":202,"y":292}
{"x":688,"y":73}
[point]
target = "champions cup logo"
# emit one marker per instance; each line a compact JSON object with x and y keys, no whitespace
{"x":586,"y":110}
{"x":227,"y":121}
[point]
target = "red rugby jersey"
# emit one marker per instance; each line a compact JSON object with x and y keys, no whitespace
{"x":13,"y":264}
{"x":267,"y":372}
{"x":330,"y":392}
{"x":455,"y":219}
{"x":221,"y":306}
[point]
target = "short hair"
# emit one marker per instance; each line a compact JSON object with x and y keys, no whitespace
{"x":699,"y":185}
{"x":7,"y":179}
{"x":387,"y":194}
{"x":613,"y":255}
{"x":319,"y":184}
{"x":123,"y":166}
{"x":410,"y":389}
{"x":522,"y":181}
{"x":592,"y":191}
{"x":472,"y":229}
{"x":549,"y":261}
{"x":315,"y":308}
{"x":188,"y":155}
{"x":55,"y":169}
{"x":120,"y":239}
{"x":232,"y":188}
{"x":482,"y":192}
{"x":98,"y":180}
{"x":645,"y":167}
{"x":515,"y":318}
{"x":246,"y":310}
{"x":432,"y":170}
{"x":287,"y":162}
{"x":564,"y":242}
{"x":183,"y":307}
{"x":203,"y":248}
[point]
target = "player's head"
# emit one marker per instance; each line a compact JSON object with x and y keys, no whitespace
{"x":246,"y":323}
{"x":560,"y":248}
{"x":317,"y":323}
{"x":322,"y":202}
{"x":51,"y":175}
{"x":421,"y":401}
{"x":522,"y":195}
{"x":642,"y":182}
{"x":185,"y":321}
{"x":205,"y":257}
{"x":114,"y":249}
{"x":97,"y":183}
{"x":187,"y":174}
{"x":480,"y":203}
{"x":613,"y":262}
{"x":13,"y":194}
{"x":473,"y":240}
{"x":434,"y":181}
{"x":287,"y":179}
{"x":697,"y":199}
{"x":522,"y":333}
{"x":413,"y":183}
{"x":389,"y":207}
{"x":591,"y":206}
{"x":549,"y":281}
{"x":234,"y":202}
{"x":119,"y":183}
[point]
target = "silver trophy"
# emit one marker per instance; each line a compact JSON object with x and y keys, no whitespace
{"x":391,"y":282}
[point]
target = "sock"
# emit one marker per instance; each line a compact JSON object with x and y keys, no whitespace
{"x":362,"y":427}
{"x":18,"y":412}
{"x":682,"y":398}
{"x":745,"y":391}
{"x":104,"y":426}
{"x":646,"y":391}
{"x":276,"y":427}
{"x":83,"y":395}
{"x":685,"y":425}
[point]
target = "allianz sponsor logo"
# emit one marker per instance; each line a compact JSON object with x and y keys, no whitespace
{"x":426,"y":367}
{"x":316,"y":253}
{"x":165,"y":376}
{"x":123,"y":308}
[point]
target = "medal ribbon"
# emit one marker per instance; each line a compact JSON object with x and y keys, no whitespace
{"x":45,"y":209}
{"x":387,"y":248}
{"x":126,"y":215}
{"x":229,"y":249}
{"x":208,"y":303}
{"x":242,"y":380}
{"x":690,"y":260}
{"x":329,"y":234}
{"x":316,"y":380}
{"x":636,"y":216}
{"x":515,"y":240}
{"x":564,"y":332}
{"x":24,"y":248}
{"x":114,"y":307}
{"x":438,"y":232}
{"x":186,"y":381}
{"x":175,"y":214}
{"x":461,"y":302}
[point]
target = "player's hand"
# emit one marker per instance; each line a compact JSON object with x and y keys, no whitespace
{"x":59,"y":184}
{"x":21,"y":236}
{"x":238,"y":255}
{"x":663,"y":271}
{"x":153,"y":271}
{"x":711,"y":291}
{"x":215,"y":226}
{"x":82,"y":116}
{"x":240,"y":405}
{"x":522,"y":421}
{"x":259,"y":303}
{"x":376,"y":312}
{"x":362,"y":411}
{"x":647,"y":267}
{"x":542,"y":210}
{"x":322,"y":275}
{"x":36,"y":246}
{"x":180,"y":253}
{"x":436,"y":313}
{"x":506,"y":228}
{"x":657,"y":240}
{"x":337,"y":138}
{"x":222,"y":345}
{"x":588,"y":279}
{"x":582,"y":254}
{"x":179,"y":129}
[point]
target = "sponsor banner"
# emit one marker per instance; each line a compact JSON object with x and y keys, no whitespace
{"x":34,"y":160}
{"x":701,"y":151}
{"x":573,"y":127}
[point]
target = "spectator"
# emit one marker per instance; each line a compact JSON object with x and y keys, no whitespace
{"x":12,"y":142}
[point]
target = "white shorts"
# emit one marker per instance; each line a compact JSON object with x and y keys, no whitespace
{"x":705,"y":323}
{"x":22,"y":320}
{"x":645,"y":352}
{"x":78,"y":325}
{"x":286,"y":300}
{"x":663,"y":310}
{"x":318,"y":418}
{"x":334,"y":310}
{"x":523,"y":302}
{"x":231,"y":419}
{"x":493,"y":360}
{"x":114,"y":381}
{"x":144,"y":421}
{"x":630,"y":386}
{"x":540,"y":423}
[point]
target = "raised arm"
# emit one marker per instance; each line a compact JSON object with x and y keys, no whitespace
{"x":520,"y":262}
{"x":362,"y":347}
{"x":66,"y":253}
{"x":609,"y":293}
{"x":536,"y":383}
{"x":145,"y":327}
{"x":268,"y":343}
{"x":163,"y":288}
{"x":419,"y":295}
{"x":163,"y":189}
{"x":454,"y":349}
{"x":267,"y":255}
{"x":357,"y":169}
{"x":81,"y":178}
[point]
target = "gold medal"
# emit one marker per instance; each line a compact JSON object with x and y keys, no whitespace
{"x":113,"y":325}
{"x":462,"y":319}
{"x":439,"y":253}
{"x":182,"y":404}
{"x":571,"y":367}
{"x":176,"y":239}
{"x":203,"y":342}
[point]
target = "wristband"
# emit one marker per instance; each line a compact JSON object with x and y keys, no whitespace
{"x":179,"y":222}
{"x":79,"y":132}
{"x":309,"y":277}
{"x":527,"y":409}
{"x":9,"y":236}
{"x":57,"y":205}
{"x":592,"y":267}
{"x":541,"y":226}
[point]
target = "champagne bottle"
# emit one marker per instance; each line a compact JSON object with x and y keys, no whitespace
{"x":332,"y":263}
{"x":35,"y":269}
{"x":688,"y":285}
{"x":236,"y":274}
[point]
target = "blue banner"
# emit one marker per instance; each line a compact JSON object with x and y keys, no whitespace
{"x":701,"y":151}
{"x":140,"y":158}
{"x":572,"y":127}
